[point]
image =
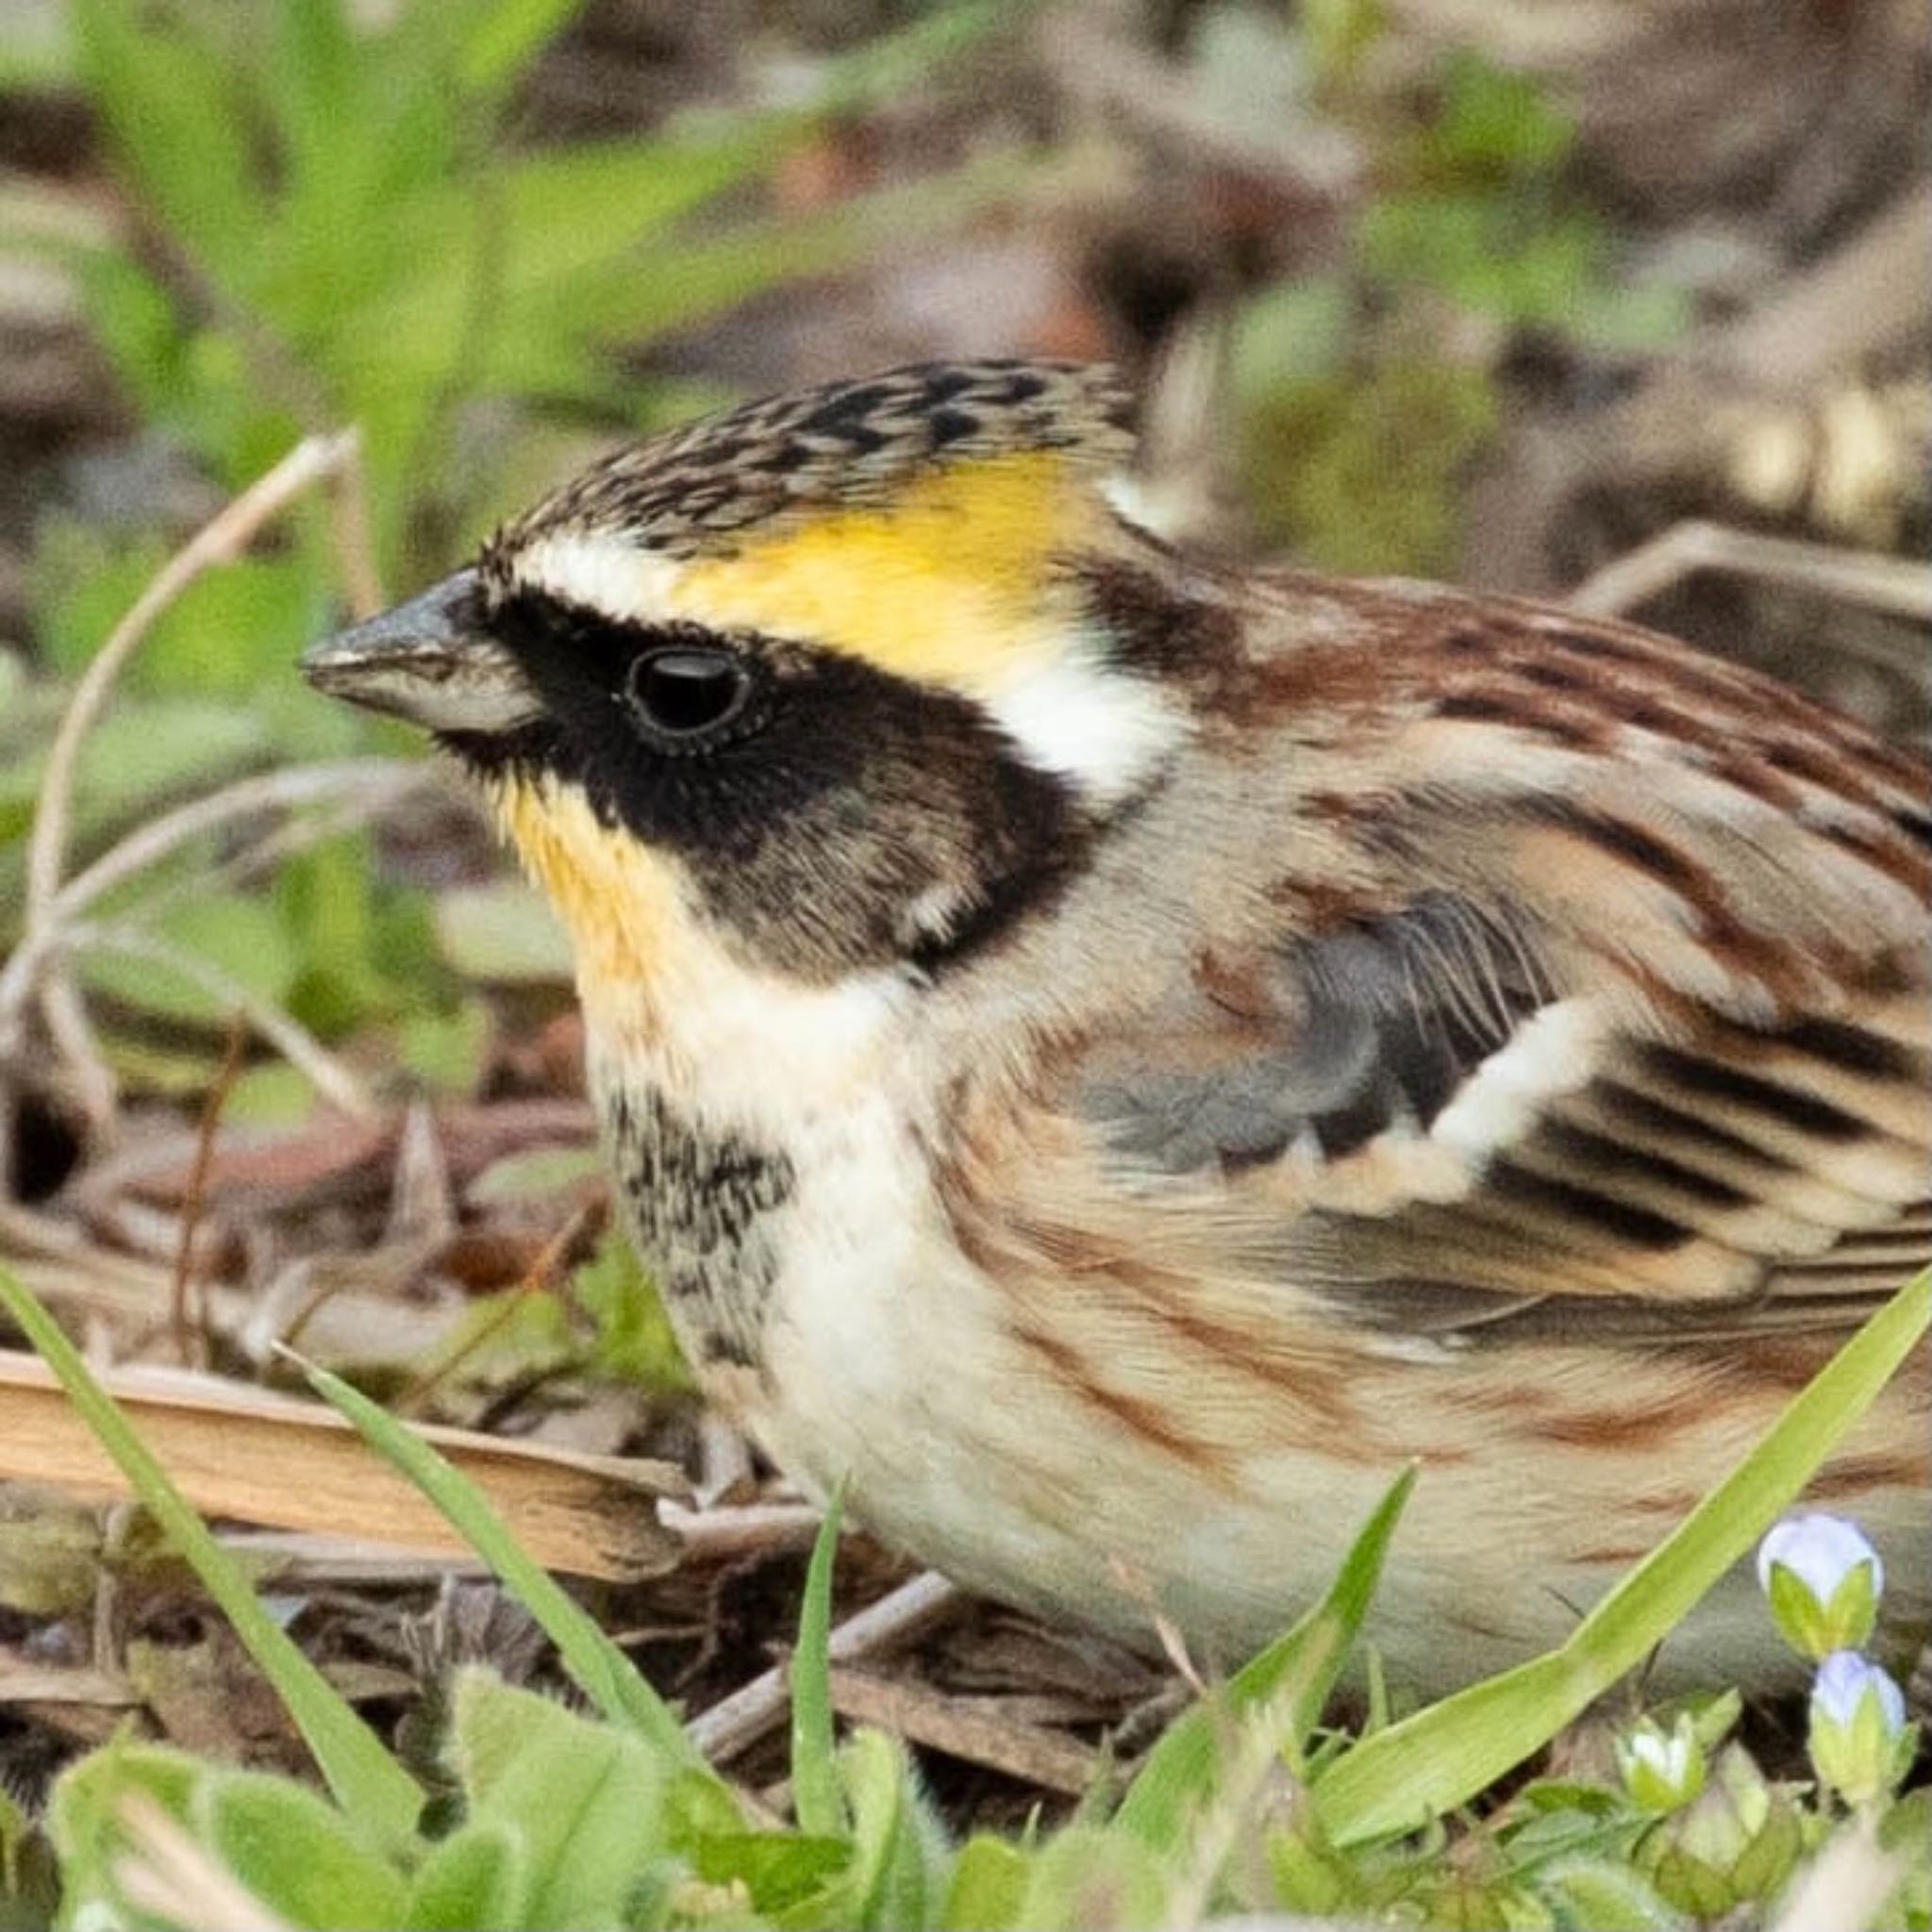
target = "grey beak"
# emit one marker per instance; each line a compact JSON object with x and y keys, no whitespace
{"x":428,"y":660}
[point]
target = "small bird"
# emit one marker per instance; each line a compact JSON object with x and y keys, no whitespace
{"x":1110,"y":1055}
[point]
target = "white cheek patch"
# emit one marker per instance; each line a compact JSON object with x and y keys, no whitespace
{"x":1068,"y":714}
{"x":611,"y":576}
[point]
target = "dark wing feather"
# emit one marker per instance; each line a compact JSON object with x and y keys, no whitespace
{"x":1334,"y":1040}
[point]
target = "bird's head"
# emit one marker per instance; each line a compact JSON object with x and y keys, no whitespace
{"x":823,"y":670}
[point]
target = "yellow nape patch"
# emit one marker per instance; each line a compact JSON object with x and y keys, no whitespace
{"x":618,"y":900}
{"x":945,"y":585}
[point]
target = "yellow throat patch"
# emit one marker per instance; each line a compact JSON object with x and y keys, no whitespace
{"x":619,"y":900}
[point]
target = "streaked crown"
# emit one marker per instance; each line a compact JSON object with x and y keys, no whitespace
{"x":765,"y":468}
{"x":916,"y":519}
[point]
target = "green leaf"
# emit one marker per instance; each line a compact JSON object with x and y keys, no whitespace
{"x":476,"y":1876}
{"x":631,"y":1335}
{"x":1604,"y":1896}
{"x":894,"y":1836}
{"x":988,"y":1888}
{"x":447,"y":1051}
{"x":299,"y":1856}
{"x":230,"y":635}
{"x":536,"y":1176}
{"x":1285,"y":1685}
{"x":1493,"y":122}
{"x":1443,"y":1756}
{"x":582,"y":1802}
{"x":138,"y":758}
{"x":241,"y":937}
{"x":779,"y":1869}
{"x":367,"y":1782}
{"x":273,"y":1094}
{"x":85,"y":1816}
{"x":313,"y":78}
{"x":880,"y":71}
{"x":1087,"y":1876}
{"x":699,"y":1807}
{"x":1321,"y":460}
{"x":134,"y":319}
{"x":491,"y":41}
{"x":328,"y":901}
{"x":815,"y":1788}
{"x":648,"y":297}
{"x":1299,"y":331}
{"x":503,"y":934}
{"x":171,"y":99}
{"x":597,"y":201}
{"x":607,"y":1677}
{"x":30,"y":1880}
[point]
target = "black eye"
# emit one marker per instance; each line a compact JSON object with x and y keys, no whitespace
{"x":685,"y":697}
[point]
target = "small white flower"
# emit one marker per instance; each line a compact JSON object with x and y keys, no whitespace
{"x":1661,"y":1770}
{"x":1821,"y":1550}
{"x":1823,"y":1580}
{"x":1845,"y":1681}
{"x":1858,"y":1741}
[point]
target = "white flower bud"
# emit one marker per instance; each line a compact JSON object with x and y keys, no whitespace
{"x":1661,"y":1770}
{"x":1859,"y":1741}
{"x":1823,"y":1580}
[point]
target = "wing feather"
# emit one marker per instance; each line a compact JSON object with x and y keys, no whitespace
{"x":1620,"y":1016}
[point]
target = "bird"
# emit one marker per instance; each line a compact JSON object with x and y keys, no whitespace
{"x":1111,"y":1054}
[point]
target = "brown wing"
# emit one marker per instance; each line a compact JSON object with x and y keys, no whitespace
{"x":1619,"y":1014}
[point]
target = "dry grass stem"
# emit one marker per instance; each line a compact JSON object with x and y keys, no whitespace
{"x":353,"y":532}
{"x":724,"y":1533}
{"x":1845,"y":1887}
{"x":736,"y":1722}
{"x":372,"y":786}
{"x":332,"y":1080}
{"x":1885,"y":583}
{"x":168,"y":1875}
{"x":24,"y":1682}
{"x":240,"y":1452}
{"x":359,"y":788}
{"x":224,"y":538}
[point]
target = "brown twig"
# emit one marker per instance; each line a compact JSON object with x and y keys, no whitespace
{"x":727,"y":1532}
{"x":539,"y":1276}
{"x":191,"y":1335}
{"x":963,"y":1728}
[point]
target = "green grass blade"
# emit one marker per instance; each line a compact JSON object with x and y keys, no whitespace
{"x":366,"y":1781}
{"x":1297,"y":1670}
{"x":1443,"y":1756}
{"x":817,"y":1795}
{"x":607,"y":1677}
